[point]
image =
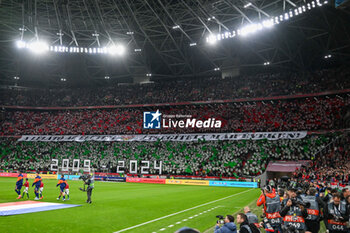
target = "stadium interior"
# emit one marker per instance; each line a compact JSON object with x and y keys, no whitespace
{"x":175,"y":116}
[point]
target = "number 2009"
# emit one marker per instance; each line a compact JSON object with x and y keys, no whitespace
{"x":133,"y":166}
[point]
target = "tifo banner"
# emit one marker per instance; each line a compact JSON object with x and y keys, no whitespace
{"x":166,"y":137}
{"x":145,"y":180}
{"x":234,"y":184}
{"x":43,"y":176}
{"x":187,"y":182}
{"x":9,"y":174}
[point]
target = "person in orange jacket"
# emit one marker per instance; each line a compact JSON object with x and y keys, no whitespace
{"x":272,"y":207}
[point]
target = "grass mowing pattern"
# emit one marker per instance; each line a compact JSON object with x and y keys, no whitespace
{"x":121,"y":205}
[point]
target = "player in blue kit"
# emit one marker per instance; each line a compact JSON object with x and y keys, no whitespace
{"x":19,"y":185}
{"x":37,"y":183}
{"x":62,"y":183}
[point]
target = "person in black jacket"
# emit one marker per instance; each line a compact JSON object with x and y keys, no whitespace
{"x":244,"y":225}
{"x":336,"y":214}
{"x":293,"y":213}
{"x":314,"y":211}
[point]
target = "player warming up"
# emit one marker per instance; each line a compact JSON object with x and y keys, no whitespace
{"x":62,"y":183}
{"x":37,"y":183}
{"x":19,"y":184}
{"x":26,"y":187}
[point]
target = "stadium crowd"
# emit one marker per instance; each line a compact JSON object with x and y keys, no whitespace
{"x":283,"y":115}
{"x":333,"y":166}
{"x":204,"y":89}
{"x":201,"y":158}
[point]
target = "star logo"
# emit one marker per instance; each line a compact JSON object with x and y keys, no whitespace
{"x":156,"y":115}
{"x":152,"y":120}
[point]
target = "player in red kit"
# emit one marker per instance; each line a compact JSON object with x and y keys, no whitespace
{"x":66,"y":190}
{"x":41,"y":190}
{"x":26,"y":188}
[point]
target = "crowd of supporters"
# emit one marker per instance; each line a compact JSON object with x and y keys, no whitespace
{"x":204,"y":89}
{"x":321,"y":113}
{"x":201,"y":158}
{"x":331,"y":166}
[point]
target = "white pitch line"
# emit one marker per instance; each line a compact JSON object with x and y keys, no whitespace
{"x":157,"y":219}
{"x":170,"y":226}
{"x":178,"y":222}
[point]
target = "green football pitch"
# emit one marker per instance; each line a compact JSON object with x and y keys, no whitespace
{"x":126,"y":207}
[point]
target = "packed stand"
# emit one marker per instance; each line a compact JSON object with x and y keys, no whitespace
{"x":333,"y":166}
{"x":203,"y":158}
{"x":204,"y":89}
{"x":283,"y":115}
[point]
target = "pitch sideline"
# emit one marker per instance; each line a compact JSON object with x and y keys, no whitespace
{"x":182,"y":211}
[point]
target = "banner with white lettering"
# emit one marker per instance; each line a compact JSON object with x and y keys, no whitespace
{"x":166,"y":137}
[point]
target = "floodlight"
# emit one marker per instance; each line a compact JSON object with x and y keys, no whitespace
{"x":20,"y":44}
{"x":38,"y":47}
{"x":116,"y":50}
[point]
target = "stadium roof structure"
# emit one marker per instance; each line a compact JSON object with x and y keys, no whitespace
{"x":163,"y":38}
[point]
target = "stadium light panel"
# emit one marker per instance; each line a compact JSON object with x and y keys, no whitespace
{"x":247,"y":5}
{"x":286,"y":16}
{"x":268,"y":23}
{"x":116,"y":50}
{"x":38,"y":47}
{"x":20,"y":44}
{"x":212,"y":39}
{"x":176,"y":27}
{"x":107,"y":77}
{"x":193,"y":44}
{"x":16,"y":78}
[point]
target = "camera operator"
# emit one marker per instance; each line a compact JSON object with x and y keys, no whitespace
{"x":293,"y":213}
{"x":313,"y":219}
{"x":228,"y":227}
{"x":336,"y":214}
{"x":272,"y":207}
{"x":90,"y":183}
